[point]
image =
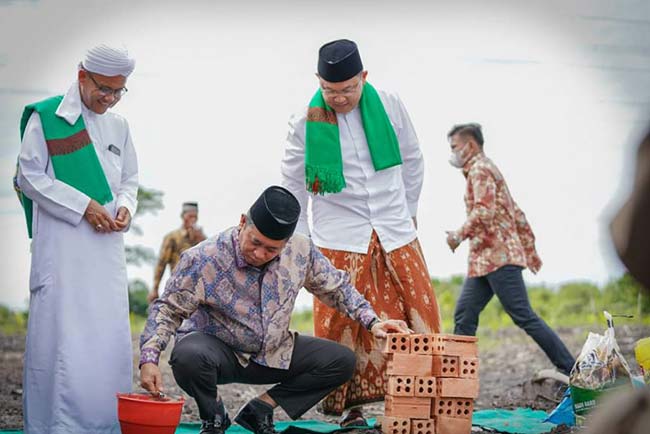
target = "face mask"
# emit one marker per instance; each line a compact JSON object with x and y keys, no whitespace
{"x":461,"y":155}
{"x":456,"y":161}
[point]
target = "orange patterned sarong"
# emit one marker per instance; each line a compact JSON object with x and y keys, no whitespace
{"x":398,"y":286}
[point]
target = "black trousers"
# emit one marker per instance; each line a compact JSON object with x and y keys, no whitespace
{"x":200,"y":362}
{"x":508,"y":285}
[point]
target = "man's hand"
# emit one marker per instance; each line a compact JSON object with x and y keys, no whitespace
{"x":99,"y":218}
{"x":453,"y":240}
{"x":381,"y":328}
{"x":123,"y":218}
{"x":150,"y":378}
{"x":153,"y":294}
{"x":534,"y":263}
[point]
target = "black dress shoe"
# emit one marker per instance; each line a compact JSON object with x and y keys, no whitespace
{"x":217,"y":426}
{"x":257,"y":416}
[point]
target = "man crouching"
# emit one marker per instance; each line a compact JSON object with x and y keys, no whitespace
{"x":236,"y":292}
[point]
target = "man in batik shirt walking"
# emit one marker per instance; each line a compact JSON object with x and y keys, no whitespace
{"x":502,"y":244}
{"x":175,"y":243}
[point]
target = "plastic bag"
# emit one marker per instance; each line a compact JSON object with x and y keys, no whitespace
{"x":599,"y":367}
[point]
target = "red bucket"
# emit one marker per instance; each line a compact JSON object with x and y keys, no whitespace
{"x":145,"y":414}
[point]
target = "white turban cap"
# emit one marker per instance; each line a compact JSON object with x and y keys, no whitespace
{"x":108,"y":61}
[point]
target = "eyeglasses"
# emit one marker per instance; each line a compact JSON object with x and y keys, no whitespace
{"x":106,"y":90}
{"x":345,"y":92}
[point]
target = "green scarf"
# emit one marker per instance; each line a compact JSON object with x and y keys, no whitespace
{"x":74,"y":160}
{"x":323,"y":161}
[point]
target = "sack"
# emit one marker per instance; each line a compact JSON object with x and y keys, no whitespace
{"x":599,"y":368}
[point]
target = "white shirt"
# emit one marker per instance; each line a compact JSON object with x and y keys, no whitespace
{"x":79,"y":305}
{"x":36,"y":176}
{"x":384,"y":200}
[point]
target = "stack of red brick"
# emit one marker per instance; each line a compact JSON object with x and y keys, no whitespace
{"x":432,"y":384}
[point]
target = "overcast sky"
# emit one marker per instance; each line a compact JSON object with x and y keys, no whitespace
{"x":562,"y":90}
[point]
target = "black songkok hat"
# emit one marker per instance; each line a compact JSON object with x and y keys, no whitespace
{"x":339,"y":61}
{"x":190,"y":206}
{"x":275,"y":213}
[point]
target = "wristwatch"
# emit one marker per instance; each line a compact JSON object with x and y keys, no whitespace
{"x":372,"y":323}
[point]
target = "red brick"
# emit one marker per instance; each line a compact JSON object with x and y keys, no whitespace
{"x":445,"y":366}
{"x":457,"y":345}
{"x":437,"y":345}
{"x":397,"y":343}
{"x":388,"y":405}
{"x":463,"y":408}
{"x":457,"y":387}
{"x":401,"y":385}
{"x":453,"y":425}
{"x":425,"y":386}
{"x":442,"y":407}
{"x":421,"y":344}
{"x":409,"y":364}
{"x":423,"y":426}
{"x":407,"y":406}
{"x":427,"y":344}
{"x":452,"y":407}
{"x":395,"y":425}
{"x":468,"y":367}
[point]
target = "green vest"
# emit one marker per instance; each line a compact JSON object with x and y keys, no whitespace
{"x":74,"y":160}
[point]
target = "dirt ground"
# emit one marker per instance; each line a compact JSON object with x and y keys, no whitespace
{"x":509,"y":360}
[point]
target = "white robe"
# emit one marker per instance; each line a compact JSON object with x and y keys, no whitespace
{"x":384,"y":201}
{"x":78,"y":353}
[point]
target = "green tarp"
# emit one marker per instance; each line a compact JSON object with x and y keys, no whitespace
{"x":519,"y":421}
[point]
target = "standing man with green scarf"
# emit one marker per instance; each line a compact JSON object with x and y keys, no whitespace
{"x":77,"y":180}
{"x":354,"y":152}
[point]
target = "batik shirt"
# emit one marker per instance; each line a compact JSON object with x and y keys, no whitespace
{"x":216,"y":292}
{"x":174,"y":243}
{"x":498,"y":231}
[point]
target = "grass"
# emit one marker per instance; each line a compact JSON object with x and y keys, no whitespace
{"x":574,"y":304}
{"x":137,"y":323}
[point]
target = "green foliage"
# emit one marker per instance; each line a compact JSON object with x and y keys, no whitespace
{"x":137,"y":323}
{"x":625,"y":296}
{"x":12,"y":322}
{"x":139,"y":255}
{"x":149,"y":202}
{"x":302,"y":321}
{"x":447,"y":292}
{"x":572,"y":304}
{"x":138,"y":297}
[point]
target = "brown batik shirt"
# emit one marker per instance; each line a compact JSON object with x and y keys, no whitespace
{"x":174,"y":243}
{"x":497,"y":228}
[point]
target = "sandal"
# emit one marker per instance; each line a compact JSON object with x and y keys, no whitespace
{"x":355,"y":419}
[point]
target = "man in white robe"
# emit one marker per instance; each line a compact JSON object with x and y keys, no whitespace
{"x":354,"y":154}
{"x":78,"y":353}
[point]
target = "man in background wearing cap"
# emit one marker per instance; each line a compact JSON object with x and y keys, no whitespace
{"x":354,"y":149}
{"x":236,"y":292}
{"x":175,"y":243}
{"x":77,"y":179}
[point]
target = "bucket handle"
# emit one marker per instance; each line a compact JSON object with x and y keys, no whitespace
{"x":162,"y":395}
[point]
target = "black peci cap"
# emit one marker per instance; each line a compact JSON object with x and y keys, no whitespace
{"x":339,"y":61}
{"x":275,"y":213}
